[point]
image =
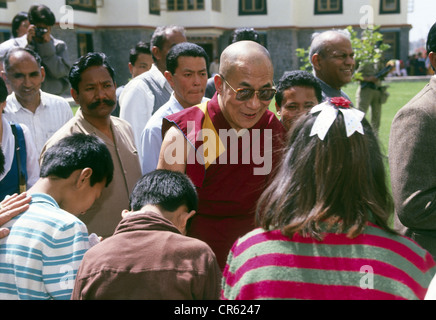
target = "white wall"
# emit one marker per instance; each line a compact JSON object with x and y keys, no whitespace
{"x":281,"y":13}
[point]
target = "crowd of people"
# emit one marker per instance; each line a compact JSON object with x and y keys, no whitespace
{"x":182,"y":184}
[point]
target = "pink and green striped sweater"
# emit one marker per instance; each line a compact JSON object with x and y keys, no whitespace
{"x":375,"y":265}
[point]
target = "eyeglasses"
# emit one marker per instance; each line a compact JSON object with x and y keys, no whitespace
{"x":243,"y":94}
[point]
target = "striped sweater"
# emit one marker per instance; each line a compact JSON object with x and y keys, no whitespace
{"x":40,"y":257}
{"x":375,"y":265}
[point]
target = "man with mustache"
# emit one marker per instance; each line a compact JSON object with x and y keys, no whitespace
{"x":43,"y":113}
{"x":332,"y":58}
{"x":93,"y":88}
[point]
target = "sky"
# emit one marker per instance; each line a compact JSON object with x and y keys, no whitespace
{"x":422,"y":18}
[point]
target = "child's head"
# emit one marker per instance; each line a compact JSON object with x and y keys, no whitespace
{"x":171,"y":191}
{"x":83,"y":160}
{"x":336,"y":177}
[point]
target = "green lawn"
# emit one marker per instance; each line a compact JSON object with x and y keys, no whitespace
{"x":400,"y":94}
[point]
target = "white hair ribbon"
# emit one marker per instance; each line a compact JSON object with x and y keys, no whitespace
{"x":329,"y":111}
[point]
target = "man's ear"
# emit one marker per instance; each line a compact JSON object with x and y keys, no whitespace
{"x":278,"y":109}
{"x":43,"y":73}
{"x":218,"y":80}
{"x":84,"y":177}
{"x":155,"y":52}
{"x":186,"y":218}
{"x":432,"y":58}
{"x":169,"y":78}
{"x":131,"y":68}
{"x":316,"y":61}
{"x":75,"y":95}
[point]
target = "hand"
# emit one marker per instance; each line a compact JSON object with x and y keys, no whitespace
{"x":10,"y":208}
{"x":31,"y":33}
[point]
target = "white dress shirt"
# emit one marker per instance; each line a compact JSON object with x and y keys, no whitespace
{"x":50,"y":116}
{"x":8,"y":147}
{"x":137,"y":102}
{"x":151,"y":138}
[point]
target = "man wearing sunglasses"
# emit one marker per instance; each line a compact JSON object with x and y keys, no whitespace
{"x":218,"y":144}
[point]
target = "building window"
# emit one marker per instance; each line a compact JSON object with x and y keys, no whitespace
{"x":393,"y":40}
{"x":328,"y":6}
{"x":154,"y":7}
{"x":216,"y":5}
{"x":250,"y":7}
{"x":390,"y":6}
{"x":3,"y":4}
{"x":185,"y":5}
{"x":85,"y":43}
{"x":83,"y":5}
{"x":5,"y":35}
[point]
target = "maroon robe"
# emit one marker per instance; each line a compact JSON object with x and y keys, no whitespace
{"x":227,"y":182}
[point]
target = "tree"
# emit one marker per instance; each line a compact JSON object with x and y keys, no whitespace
{"x":369,"y":48}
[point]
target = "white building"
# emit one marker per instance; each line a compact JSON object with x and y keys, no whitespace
{"x":114,"y":26}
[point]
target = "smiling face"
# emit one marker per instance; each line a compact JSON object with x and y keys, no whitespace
{"x":296,"y":101}
{"x":189,"y":81}
{"x":335,"y":65}
{"x":251,"y":70}
{"x":25,"y":77}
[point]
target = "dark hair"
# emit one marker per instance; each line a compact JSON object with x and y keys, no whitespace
{"x":297,"y":78}
{"x":91,"y":59}
{"x":41,"y":14}
{"x":141,"y":47}
{"x":10,"y":52}
{"x":241,"y":34}
{"x":168,"y":189}
{"x":159,"y":36}
{"x":339,"y":181}
{"x":431,"y":39}
{"x":3,"y":90}
{"x":76,"y":152}
{"x":16,"y":22}
{"x":184,"y":49}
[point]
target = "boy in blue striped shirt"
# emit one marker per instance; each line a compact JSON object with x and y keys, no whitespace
{"x":40,"y":257}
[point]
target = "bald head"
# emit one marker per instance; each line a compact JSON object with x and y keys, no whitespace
{"x":332,"y":58}
{"x":321,"y":42}
{"x":243,"y":53}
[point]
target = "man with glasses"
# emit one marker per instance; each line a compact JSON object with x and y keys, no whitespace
{"x":218,"y":144}
{"x":332,"y":58}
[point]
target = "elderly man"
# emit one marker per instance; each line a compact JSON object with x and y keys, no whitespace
{"x":187,"y":73}
{"x":231,"y":146}
{"x":146,"y":93}
{"x":332,"y":58}
{"x":93,"y":88}
{"x":411,"y":161}
{"x":43,"y":113}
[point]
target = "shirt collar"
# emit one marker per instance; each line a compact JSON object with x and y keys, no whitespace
{"x":16,"y":105}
